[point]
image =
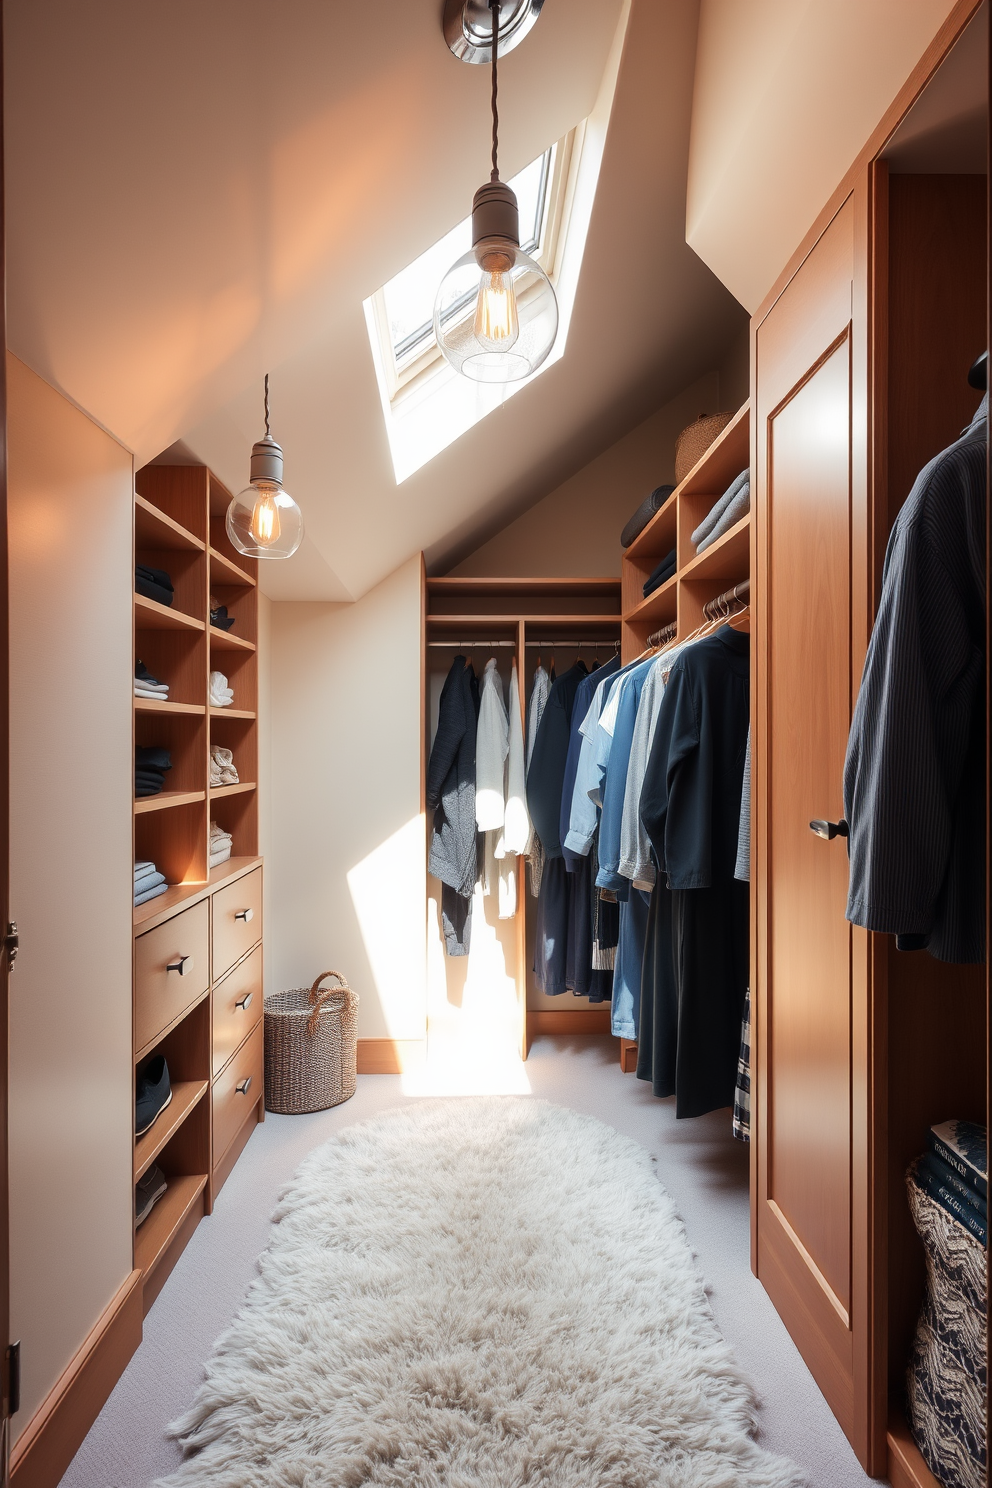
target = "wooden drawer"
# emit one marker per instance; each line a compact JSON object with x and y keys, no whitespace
{"x":237,"y":1007}
{"x":237,"y":921}
{"x":232,"y":1101}
{"x":160,"y":995}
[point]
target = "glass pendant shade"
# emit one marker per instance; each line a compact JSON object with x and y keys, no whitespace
{"x":495,"y":315}
{"x":263,"y":520}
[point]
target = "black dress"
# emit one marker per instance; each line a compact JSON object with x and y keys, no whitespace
{"x":696,"y":955}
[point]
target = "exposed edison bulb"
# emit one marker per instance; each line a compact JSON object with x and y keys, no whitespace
{"x":497,"y":325}
{"x":266,"y":527}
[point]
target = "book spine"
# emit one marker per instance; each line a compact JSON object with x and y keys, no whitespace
{"x":974,"y":1180}
{"x":946,"y":1174}
{"x":951,"y":1204}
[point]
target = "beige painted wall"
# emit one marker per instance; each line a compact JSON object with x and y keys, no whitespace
{"x":346,"y":859}
{"x":786,"y":94}
{"x":71,"y":1086}
{"x":576,"y":528}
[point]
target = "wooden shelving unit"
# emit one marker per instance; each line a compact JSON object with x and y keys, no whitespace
{"x":179,"y":527}
{"x":699,"y":577}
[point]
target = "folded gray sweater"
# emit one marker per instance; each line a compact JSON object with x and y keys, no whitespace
{"x":716,"y":511}
{"x":733,"y":513}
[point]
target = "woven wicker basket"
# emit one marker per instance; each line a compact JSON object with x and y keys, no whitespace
{"x":696,"y":439}
{"x":310,"y":1047}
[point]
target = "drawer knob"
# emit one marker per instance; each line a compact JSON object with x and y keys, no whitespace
{"x":184,"y":965}
{"x":244,"y":1087}
{"x":244,"y":914}
{"x":245,"y":1002}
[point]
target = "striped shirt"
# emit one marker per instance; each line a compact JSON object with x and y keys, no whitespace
{"x":914,"y":776}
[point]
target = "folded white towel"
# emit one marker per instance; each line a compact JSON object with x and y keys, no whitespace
{"x":160,"y":697}
{"x":221,"y":856}
{"x":222,"y":767}
{"x":221,"y":696}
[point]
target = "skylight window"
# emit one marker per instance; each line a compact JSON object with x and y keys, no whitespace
{"x":408,"y":299}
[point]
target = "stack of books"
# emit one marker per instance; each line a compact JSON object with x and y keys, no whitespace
{"x":954,"y":1172}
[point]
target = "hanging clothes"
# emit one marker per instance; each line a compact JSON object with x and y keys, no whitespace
{"x":451,"y":796}
{"x":636,"y":861}
{"x":690,"y":808}
{"x":742,"y":868}
{"x":537,"y":702}
{"x":546,"y":775}
{"x":491,"y":750}
{"x":914,"y":779}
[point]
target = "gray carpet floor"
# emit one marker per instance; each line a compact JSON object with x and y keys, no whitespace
{"x":700,"y":1164}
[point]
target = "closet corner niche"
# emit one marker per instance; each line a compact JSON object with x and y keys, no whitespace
{"x":865,"y":1049}
{"x":197,"y":1006}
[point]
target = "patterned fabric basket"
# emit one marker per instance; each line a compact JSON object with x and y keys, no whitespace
{"x":696,"y":439}
{"x":945,"y":1381}
{"x":310,"y":1047}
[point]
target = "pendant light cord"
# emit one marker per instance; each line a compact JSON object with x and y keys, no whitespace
{"x":266,"y":405}
{"x":494,"y":7}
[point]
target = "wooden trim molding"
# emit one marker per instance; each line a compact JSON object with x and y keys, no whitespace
{"x":52,"y":1437}
{"x":384,"y":1056}
{"x":588,"y":1021}
{"x":906,"y":1466}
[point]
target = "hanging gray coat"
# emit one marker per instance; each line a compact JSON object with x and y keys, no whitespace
{"x":451,"y":796}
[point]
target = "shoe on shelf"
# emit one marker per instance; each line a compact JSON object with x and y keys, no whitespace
{"x":152,"y":1095}
{"x":147,"y":1192}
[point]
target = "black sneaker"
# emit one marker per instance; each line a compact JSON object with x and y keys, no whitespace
{"x":147,"y":1192}
{"x":152,"y":1095}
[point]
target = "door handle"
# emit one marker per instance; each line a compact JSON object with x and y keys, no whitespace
{"x":828,"y":830}
{"x":244,"y":1087}
{"x":245,"y":1002}
{"x":184,"y":965}
{"x":244,"y":914}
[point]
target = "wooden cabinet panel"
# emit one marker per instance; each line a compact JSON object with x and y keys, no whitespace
{"x":237,"y":1007}
{"x":237,"y":921}
{"x":237,"y":1091}
{"x":810,"y":500}
{"x":171,"y":970}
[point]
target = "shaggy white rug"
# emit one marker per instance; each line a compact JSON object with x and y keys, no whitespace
{"x":480,"y":1293}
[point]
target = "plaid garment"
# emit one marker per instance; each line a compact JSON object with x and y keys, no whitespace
{"x":742,"y":1095}
{"x":605,"y":919}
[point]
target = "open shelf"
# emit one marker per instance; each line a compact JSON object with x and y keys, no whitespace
{"x":150,"y":615}
{"x":225,"y":571}
{"x":907,"y":1468}
{"x":481,"y":622}
{"x":218,"y":792}
{"x":176,"y":896}
{"x":165,"y":799}
{"x":153,"y":529}
{"x":727,"y":560}
{"x":231,"y":713}
{"x":185,"y":1095}
{"x":657,"y":537}
{"x":153,"y":1237}
{"x":149,"y":705}
{"x":226,"y":640}
{"x":660,"y":605}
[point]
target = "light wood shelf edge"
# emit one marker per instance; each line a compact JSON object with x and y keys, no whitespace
{"x":225,"y":640}
{"x":162,"y":617}
{"x":146,"y":1049}
{"x":230,"y":713}
{"x":148,"y":705}
{"x":708,"y":558}
{"x":653,"y":601}
{"x":907,"y":1468}
{"x":643,"y":540}
{"x":152,"y":1238}
{"x":481,"y":621}
{"x":184,"y":896}
{"x":166,"y":799}
{"x":218,"y":792}
{"x":186,"y":1096}
{"x":228,"y":566}
{"x":174,"y":529}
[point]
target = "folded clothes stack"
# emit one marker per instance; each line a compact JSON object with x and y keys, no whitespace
{"x":221,"y":696}
{"x":660,"y":574}
{"x":219,"y":615}
{"x":147,"y":686}
{"x":148,"y":883}
{"x":220,"y":845}
{"x":222,"y":768}
{"x":732,"y":505}
{"x":153,"y":583}
{"x":150,"y":765}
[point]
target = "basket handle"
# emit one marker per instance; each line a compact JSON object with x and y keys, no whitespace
{"x":319,"y":995}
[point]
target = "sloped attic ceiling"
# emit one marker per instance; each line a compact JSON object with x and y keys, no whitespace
{"x":200,"y":193}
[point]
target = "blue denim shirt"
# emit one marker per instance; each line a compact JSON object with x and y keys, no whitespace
{"x":615,"y":784}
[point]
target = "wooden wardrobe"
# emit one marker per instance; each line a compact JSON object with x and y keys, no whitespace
{"x":860,"y":358}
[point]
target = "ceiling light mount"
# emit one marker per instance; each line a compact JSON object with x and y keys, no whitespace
{"x":467,"y":27}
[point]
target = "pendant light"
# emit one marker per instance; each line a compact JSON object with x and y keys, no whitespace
{"x":495,"y":315}
{"x":263,"y":520}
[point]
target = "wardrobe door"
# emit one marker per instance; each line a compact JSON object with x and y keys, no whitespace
{"x":811,"y":1203}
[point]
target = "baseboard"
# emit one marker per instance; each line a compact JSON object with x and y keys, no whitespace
{"x":907,"y":1468}
{"x":51,"y":1439}
{"x":383,"y":1056}
{"x":595,"y":1020}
